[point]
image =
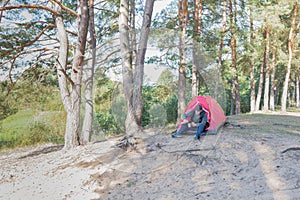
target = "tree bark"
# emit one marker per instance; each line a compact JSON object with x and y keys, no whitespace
{"x":132,"y":36}
{"x":71,"y":97}
{"x":252,"y":71}
{"x":297,"y":92}
{"x":267,"y":64}
{"x":139,"y":72}
{"x":62,"y":59}
{"x":290,"y":51}
{"x":70,"y":139}
{"x":73,"y":116}
{"x":272,"y":71}
{"x":233,"y":58}
{"x":219,"y":67}
{"x":88,"y":76}
{"x":182,"y":10}
{"x":198,"y":9}
{"x":260,"y":87}
{"x":131,"y":125}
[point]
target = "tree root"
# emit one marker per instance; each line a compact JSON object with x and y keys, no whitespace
{"x":127,"y":142}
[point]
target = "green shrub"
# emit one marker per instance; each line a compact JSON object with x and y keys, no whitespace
{"x":107,"y":123}
{"x":158,"y":116}
{"x":171,"y":109}
{"x":40,"y":132}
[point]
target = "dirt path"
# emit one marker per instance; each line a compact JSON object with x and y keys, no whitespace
{"x":255,"y":157}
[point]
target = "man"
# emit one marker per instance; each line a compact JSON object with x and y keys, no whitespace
{"x":195,"y":119}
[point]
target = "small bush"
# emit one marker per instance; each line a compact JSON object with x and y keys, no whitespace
{"x":40,"y":132}
{"x":107,"y":123}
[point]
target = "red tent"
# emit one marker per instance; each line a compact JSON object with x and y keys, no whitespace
{"x":215,"y":115}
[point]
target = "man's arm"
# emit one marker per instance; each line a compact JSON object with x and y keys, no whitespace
{"x":187,"y":114}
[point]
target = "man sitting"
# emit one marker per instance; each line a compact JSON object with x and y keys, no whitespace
{"x":195,"y":119}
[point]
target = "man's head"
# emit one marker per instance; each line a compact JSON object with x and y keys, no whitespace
{"x":198,"y":108}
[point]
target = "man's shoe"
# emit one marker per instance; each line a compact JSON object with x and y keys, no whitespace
{"x":175,"y":136}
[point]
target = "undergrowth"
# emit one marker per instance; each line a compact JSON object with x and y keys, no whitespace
{"x":28,"y":128}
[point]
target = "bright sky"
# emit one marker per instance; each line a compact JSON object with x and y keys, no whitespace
{"x":159,"y":5}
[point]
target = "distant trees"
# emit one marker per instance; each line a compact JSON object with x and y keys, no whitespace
{"x":254,"y":77}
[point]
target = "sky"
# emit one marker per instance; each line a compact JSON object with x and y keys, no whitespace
{"x":159,"y":5}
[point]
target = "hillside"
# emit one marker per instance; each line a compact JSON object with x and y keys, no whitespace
{"x":252,"y":157}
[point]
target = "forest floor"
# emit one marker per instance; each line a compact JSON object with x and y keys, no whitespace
{"x":255,"y":156}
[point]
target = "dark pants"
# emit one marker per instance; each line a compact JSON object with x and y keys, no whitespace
{"x":200,"y":130}
{"x":183,"y":128}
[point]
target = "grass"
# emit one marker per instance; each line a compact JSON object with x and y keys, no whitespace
{"x":30,"y":127}
{"x":18,"y":121}
{"x":12,"y":127}
{"x":267,"y":123}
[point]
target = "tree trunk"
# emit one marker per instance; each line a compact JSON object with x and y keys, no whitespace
{"x":233,"y":58}
{"x":260,"y":87}
{"x":290,"y":50}
{"x":232,"y":99}
{"x":131,"y":125}
{"x":132,"y":36}
{"x":139,"y":72}
{"x":252,"y":79}
{"x":71,"y":98}
{"x":182,"y":10}
{"x":297,"y":92}
{"x":73,"y":116}
{"x":62,"y":75}
{"x":267,"y":64}
{"x":88,"y":76}
{"x":220,"y":50}
{"x":198,"y":9}
{"x":272,"y":71}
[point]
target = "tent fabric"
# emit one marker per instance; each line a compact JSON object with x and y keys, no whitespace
{"x":215,"y":114}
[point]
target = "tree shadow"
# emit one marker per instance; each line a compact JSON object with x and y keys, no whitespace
{"x":45,"y":150}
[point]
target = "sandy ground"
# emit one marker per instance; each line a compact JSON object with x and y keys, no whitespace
{"x":240,"y":162}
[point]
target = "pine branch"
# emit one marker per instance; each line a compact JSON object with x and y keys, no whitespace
{"x":24,"y":52}
{"x":64,"y":7}
{"x":70,"y":11}
{"x":2,"y":11}
{"x":30,"y":42}
{"x":28,"y":6}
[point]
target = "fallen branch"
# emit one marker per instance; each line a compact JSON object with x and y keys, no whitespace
{"x":191,"y":150}
{"x":291,"y":149}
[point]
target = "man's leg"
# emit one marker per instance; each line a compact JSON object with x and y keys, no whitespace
{"x":200,"y":129}
{"x":181,"y":130}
